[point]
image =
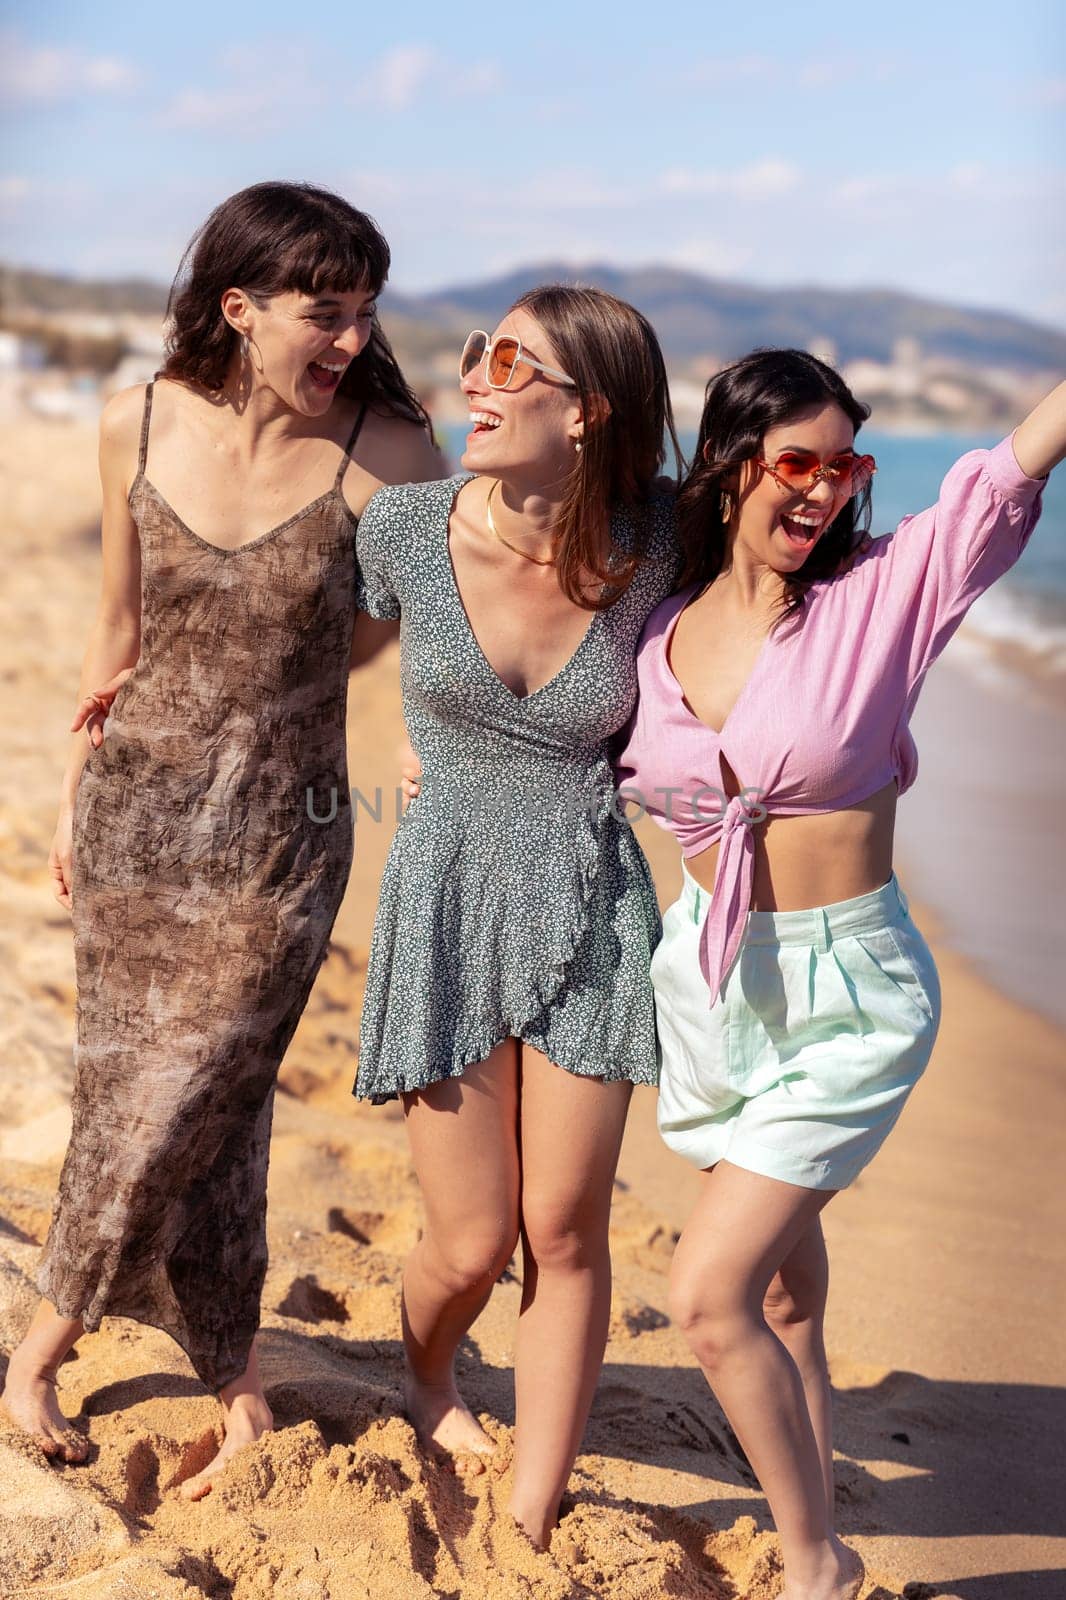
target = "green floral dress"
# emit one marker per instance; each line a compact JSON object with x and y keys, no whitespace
{"x":516,"y":902}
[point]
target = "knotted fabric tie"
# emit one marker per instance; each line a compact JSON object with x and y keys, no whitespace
{"x":723,"y":927}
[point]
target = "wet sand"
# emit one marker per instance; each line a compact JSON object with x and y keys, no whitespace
{"x":983,"y":832}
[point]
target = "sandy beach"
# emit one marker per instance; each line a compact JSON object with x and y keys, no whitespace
{"x":949,"y":1256}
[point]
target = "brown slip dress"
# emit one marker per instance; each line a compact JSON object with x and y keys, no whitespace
{"x":212,"y":844}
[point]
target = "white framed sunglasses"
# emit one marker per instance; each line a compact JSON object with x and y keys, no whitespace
{"x":501,"y":355}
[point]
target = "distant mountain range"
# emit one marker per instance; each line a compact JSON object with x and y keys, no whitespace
{"x":23,"y":290}
{"x":697,"y":318}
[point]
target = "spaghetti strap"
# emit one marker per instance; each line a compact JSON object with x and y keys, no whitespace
{"x":142,"y":453}
{"x":350,"y":446}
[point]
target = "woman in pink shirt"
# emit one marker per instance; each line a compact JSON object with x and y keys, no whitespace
{"x":797,"y":1002}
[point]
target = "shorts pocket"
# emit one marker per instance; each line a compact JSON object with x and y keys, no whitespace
{"x":673,"y":944}
{"x":910,"y":973}
{"x":917,"y":957}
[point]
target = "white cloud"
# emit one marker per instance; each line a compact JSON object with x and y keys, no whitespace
{"x":568,"y":189}
{"x":43,"y":74}
{"x":716,"y":258}
{"x":927,"y":234}
{"x":14,"y":192}
{"x":968,"y":177}
{"x":265,"y":87}
{"x":400,"y":75}
{"x":399,"y":78}
{"x":763,"y":178}
{"x":720,"y":70}
{"x":817,"y":72}
{"x":258,"y":88}
{"x":241,"y":111}
{"x":1042,"y":92}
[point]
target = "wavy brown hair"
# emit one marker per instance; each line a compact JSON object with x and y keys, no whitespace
{"x":609,"y":349}
{"x":743,"y":401}
{"x":272,"y":239}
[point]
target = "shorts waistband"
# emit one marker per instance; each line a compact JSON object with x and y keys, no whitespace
{"x":818,"y":926}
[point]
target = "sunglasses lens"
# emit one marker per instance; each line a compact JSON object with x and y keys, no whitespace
{"x":502,"y":362}
{"x":797,"y":468}
{"x":473,"y":352}
{"x":862,"y":470}
{"x":848,"y":474}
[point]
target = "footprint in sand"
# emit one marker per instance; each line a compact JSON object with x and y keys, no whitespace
{"x":642,"y":1423}
{"x":362,"y":1226}
{"x":310,"y":1301}
{"x":633,"y":1319}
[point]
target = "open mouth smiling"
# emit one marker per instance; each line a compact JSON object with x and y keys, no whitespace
{"x":802,"y":528}
{"x":326,"y":374}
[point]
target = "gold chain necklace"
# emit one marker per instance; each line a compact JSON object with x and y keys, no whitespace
{"x":538,"y":561}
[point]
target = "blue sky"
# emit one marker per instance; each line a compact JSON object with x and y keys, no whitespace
{"x":916,"y":146}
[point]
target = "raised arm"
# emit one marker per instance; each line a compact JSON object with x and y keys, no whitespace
{"x":115,"y":638}
{"x":1040,"y":441}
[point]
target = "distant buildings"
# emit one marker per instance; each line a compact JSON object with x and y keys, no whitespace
{"x":64,"y":363}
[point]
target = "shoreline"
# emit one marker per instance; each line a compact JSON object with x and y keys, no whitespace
{"x":981,"y":834}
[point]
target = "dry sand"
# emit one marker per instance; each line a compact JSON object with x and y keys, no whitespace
{"x":945,"y":1316}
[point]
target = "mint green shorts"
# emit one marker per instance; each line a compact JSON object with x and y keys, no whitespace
{"x":825,"y":1023}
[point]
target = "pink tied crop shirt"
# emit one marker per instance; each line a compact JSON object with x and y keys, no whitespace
{"x":822,"y":722}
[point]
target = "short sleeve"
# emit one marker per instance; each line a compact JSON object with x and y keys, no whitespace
{"x":375,"y":579}
{"x":929,"y":572}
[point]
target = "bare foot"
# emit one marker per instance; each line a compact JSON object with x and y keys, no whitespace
{"x":538,"y":1530}
{"x":840,"y":1579}
{"x":854,"y":1575}
{"x":445,"y":1425}
{"x":248,"y":1417}
{"x":30,"y":1401}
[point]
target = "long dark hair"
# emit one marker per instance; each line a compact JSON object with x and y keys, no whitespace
{"x":610,"y":350}
{"x":742,"y":402}
{"x":271,"y":239}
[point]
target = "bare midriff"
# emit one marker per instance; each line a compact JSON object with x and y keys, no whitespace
{"x":801,"y":862}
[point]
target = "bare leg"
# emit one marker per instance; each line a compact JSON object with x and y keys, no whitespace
{"x":29,"y":1396}
{"x":571,"y":1133}
{"x":743,"y":1229}
{"x":247,"y":1418}
{"x":464,"y":1142}
{"x":794,"y":1307}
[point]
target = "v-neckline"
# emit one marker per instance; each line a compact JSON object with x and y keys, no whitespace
{"x":519,"y":699}
{"x":260,"y":538}
{"x":668,"y":639}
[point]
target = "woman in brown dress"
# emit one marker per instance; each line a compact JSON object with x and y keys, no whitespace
{"x":204,"y":849}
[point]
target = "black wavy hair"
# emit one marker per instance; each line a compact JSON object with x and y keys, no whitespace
{"x":271,"y":239}
{"x":742,"y":402}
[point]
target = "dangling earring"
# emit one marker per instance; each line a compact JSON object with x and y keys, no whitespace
{"x":578,"y":446}
{"x":727,"y":506}
{"x":244,"y":346}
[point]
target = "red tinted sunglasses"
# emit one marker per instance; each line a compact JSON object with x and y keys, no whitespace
{"x":797,"y":471}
